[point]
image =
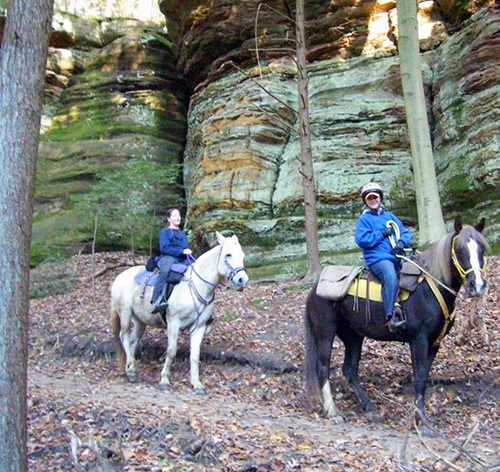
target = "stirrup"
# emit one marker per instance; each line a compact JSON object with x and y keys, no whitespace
{"x":397,"y":320}
{"x":160,"y":306}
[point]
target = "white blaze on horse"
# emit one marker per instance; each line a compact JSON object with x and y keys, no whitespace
{"x":190,"y":307}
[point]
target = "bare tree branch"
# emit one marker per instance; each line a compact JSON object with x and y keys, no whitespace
{"x":288,"y":18}
{"x":273,"y":116}
{"x":260,"y":86}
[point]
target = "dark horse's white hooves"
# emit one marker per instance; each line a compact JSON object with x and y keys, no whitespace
{"x":336,"y":419}
{"x":201,"y":392}
{"x":426,"y":432}
{"x":165,"y":387}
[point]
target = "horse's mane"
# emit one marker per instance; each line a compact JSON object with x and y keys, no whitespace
{"x":437,"y":258}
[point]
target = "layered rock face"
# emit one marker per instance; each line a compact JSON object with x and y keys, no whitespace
{"x":114,"y":101}
{"x":466,"y":110}
{"x":241,"y":168}
{"x":117,"y":107}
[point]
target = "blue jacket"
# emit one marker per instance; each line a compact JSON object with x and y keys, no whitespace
{"x":173,"y":243}
{"x":375,"y":246}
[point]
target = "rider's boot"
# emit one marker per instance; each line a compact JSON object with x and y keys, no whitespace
{"x":397,"y":320}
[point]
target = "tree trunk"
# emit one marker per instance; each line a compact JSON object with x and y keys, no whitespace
{"x":306,"y":158}
{"x":430,"y":217}
{"x":22,"y":70}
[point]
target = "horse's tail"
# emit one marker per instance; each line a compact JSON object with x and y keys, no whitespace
{"x":312,"y":363}
{"x":116,"y":327}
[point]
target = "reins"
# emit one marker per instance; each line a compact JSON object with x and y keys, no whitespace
{"x":428,"y":274}
{"x":192,"y":287}
{"x":431,"y":281}
{"x":193,"y":290}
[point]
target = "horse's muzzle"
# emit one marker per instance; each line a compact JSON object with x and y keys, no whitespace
{"x":240,"y":280}
{"x":475,"y":289}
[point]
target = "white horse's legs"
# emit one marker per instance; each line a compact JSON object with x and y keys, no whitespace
{"x":196,"y":338}
{"x":173,"y":335}
{"x":136,"y":335}
{"x":125,"y":326}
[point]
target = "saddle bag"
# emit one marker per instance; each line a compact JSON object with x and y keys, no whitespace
{"x":151,"y":265}
{"x":334,"y":281}
{"x":409,"y":277}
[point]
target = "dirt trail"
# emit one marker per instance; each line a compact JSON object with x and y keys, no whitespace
{"x":270,"y":428}
{"x":256,"y":416}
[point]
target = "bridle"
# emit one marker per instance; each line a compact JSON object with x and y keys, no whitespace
{"x":463,"y":273}
{"x":233,"y":271}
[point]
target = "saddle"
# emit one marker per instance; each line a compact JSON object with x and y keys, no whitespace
{"x":148,"y":278}
{"x":336,"y":282}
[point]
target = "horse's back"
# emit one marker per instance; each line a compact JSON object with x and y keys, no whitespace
{"x":124,"y":283}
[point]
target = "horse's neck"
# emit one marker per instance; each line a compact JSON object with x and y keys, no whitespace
{"x":206,"y":268}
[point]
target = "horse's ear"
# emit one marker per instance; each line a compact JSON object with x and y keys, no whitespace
{"x":480,"y":225}
{"x":220,"y":238}
{"x":458,"y":224}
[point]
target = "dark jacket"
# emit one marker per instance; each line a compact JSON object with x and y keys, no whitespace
{"x":173,"y":243}
{"x":375,"y":246}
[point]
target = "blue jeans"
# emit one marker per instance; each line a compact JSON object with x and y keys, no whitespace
{"x":164,"y":265}
{"x":388,"y":276}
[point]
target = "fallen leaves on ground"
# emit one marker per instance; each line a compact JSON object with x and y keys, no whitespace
{"x":83,"y":415}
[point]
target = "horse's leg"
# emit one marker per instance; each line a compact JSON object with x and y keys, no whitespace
{"x":353,"y":345}
{"x":173,"y":336}
{"x":321,"y":326}
{"x":422,"y":357}
{"x":136,"y":335}
{"x":195,"y":344}
{"x":125,"y":326}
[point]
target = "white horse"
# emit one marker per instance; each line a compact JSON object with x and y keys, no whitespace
{"x":190,"y":306}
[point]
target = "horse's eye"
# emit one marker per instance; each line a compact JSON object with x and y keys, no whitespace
{"x":229,"y":255}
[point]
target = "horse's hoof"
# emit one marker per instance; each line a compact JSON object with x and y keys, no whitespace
{"x":373,"y":417}
{"x":133,"y":378}
{"x":201,"y":392}
{"x":165,"y":387}
{"x":336,"y":419}
{"x":426,"y":432}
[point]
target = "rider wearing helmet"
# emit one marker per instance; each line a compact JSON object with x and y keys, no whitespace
{"x":372,"y":236}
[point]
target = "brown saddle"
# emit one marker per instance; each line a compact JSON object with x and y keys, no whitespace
{"x":336,"y":282}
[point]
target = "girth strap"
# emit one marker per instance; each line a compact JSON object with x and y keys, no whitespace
{"x":448,"y":318}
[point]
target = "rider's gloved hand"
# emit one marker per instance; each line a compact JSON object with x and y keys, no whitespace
{"x":399,"y":250}
{"x":187,"y":252}
{"x":386,"y":232}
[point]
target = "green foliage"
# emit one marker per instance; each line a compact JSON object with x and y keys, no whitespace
{"x":258,"y":302}
{"x":3,"y":6}
{"x":230,"y":317}
{"x":152,"y":38}
{"x":128,"y":202}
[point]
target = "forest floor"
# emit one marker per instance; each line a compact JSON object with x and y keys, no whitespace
{"x":84,"y":415}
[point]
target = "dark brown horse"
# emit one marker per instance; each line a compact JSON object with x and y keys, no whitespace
{"x":456,"y":260}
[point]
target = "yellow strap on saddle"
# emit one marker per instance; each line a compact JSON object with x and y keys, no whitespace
{"x":358,"y":289}
{"x":448,"y":318}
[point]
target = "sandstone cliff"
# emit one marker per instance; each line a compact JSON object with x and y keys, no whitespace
{"x":125,"y":100}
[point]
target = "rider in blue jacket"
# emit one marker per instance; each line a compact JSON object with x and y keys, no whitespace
{"x":174,"y":247}
{"x":372,"y":236}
